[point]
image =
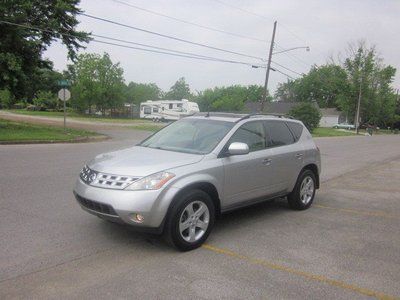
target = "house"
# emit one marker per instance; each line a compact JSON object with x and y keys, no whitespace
{"x":330,"y":116}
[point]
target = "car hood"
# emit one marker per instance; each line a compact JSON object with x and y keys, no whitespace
{"x":141,"y":161}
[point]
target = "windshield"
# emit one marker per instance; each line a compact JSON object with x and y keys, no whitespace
{"x":198,"y":136}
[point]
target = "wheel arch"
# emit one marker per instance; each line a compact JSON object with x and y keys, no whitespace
{"x":204,"y":186}
{"x":313,"y":168}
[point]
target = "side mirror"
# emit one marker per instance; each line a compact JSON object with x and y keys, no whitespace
{"x":238,"y":149}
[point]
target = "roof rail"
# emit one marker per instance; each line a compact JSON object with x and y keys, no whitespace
{"x":219,"y":114}
{"x":248,"y":116}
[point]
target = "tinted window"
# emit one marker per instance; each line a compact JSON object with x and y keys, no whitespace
{"x":252,"y":134}
{"x":279,"y":134}
{"x":296,"y":128}
{"x":155,"y":109}
{"x":170,"y":106}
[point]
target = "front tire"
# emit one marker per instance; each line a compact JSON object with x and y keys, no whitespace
{"x":303,"y":193}
{"x":190,"y":220}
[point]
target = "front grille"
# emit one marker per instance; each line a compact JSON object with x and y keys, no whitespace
{"x":103,"y":180}
{"x":96,"y":206}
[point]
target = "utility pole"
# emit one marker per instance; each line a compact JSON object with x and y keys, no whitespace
{"x":271,"y":48}
{"x":358,"y":109}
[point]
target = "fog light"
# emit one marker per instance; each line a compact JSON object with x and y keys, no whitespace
{"x":137,"y":218}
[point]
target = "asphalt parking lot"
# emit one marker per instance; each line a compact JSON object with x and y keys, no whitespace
{"x":345,"y":246}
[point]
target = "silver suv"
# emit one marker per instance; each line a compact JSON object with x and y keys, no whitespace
{"x":181,"y":178}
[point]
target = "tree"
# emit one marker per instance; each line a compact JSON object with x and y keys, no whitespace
{"x":338,"y":85}
{"x":288,"y":91}
{"x":139,"y":92}
{"x":97,"y":81}
{"x":366,"y":71}
{"x":180,"y":90}
{"x":231,"y":98}
{"x":21,"y":47}
{"x":324,"y":84}
{"x":308,"y":114}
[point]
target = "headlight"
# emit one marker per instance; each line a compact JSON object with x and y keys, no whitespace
{"x":152,"y":182}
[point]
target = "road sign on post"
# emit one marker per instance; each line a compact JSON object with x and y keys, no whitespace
{"x":64,"y":95}
{"x":63,"y":83}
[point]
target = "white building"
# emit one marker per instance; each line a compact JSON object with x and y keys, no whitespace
{"x":330,"y":117}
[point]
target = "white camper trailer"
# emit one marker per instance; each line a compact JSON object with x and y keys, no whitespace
{"x":167,"y":109}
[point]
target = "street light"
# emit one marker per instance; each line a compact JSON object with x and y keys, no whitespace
{"x":294,"y":48}
{"x":264,"y":96}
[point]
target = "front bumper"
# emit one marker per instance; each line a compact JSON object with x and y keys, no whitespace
{"x":120,"y":205}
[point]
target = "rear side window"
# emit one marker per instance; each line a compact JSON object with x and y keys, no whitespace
{"x":279,"y":134}
{"x":252,"y":134}
{"x":296,"y":128}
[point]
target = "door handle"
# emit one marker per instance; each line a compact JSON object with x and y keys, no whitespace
{"x":299,"y":155}
{"x":266,"y":161}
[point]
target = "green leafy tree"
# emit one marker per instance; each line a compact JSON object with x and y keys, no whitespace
{"x":366,"y":72}
{"x":308,"y":113}
{"x":97,"y":81}
{"x":139,"y":92}
{"x":232,"y":98}
{"x":288,"y":91}
{"x":324,"y":84}
{"x":180,"y":90}
{"x":21,"y":47}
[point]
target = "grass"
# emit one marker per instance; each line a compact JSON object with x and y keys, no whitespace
{"x":329,"y":132}
{"x":42,"y":113}
{"x":76,"y":116}
{"x":11,"y":131}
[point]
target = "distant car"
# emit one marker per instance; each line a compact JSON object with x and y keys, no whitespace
{"x":344,"y":126}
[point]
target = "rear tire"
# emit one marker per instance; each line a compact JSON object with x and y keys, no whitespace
{"x":303,"y":193}
{"x":190,"y":220}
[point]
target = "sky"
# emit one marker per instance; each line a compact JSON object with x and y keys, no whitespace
{"x":327,"y":27}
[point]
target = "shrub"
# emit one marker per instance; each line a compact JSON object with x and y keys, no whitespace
{"x":45,"y":100}
{"x":6,"y":99}
{"x":308,"y":114}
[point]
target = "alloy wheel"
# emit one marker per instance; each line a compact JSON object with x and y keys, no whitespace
{"x":194,"y":221}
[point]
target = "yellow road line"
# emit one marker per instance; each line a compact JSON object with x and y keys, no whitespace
{"x":323,"y":279}
{"x":360,"y":212}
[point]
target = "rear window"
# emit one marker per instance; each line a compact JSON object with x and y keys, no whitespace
{"x":296,"y":128}
{"x":279,"y":134}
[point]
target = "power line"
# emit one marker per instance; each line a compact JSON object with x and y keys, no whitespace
{"x":179,"y":55}
{"x":216,"y":59}
{"x":242,"y":9}
{"x":172,"y":52}
{"x":170,"y":37}
{"x":190,"y":23}
{"x":286,"y":68}
{"x":265,"y":18}
{"x":283,"y":73}
{"x":150,"y":46}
